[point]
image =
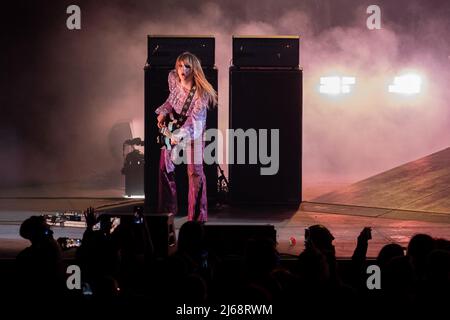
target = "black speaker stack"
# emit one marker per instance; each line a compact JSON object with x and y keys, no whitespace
{"x":266,"y":93}
{"x":162,"y":54}
{"x":162,"y":51}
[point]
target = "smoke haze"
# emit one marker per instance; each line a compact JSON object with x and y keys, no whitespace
{"x":67,"y":91}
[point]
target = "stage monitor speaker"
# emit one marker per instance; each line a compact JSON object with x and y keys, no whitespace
{"x":156,"y":92}
{"x":161,"y":227}
{"x":276,"y":51}
{"x":231,"y":240}
{"x":266,"y":99}
{"x":162,"y":232}
{"x":164,"y":50}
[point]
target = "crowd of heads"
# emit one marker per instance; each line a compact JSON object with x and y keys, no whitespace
{"x":119,"y":265}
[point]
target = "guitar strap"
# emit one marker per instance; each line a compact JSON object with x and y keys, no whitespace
{"x":182,"y":116}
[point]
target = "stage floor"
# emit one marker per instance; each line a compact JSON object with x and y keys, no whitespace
{"x":345,"y":222}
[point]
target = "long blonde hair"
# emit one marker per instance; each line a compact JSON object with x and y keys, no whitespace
{"x":203,"y":86}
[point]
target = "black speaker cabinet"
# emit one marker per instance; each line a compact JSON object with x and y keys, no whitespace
{"x":231,"y":240}
{"x":162,"y":232}
{"x":164,"y":50}
{"x":156,"y":92}
{"x":275,"y":51}
{"x":266,"y":99}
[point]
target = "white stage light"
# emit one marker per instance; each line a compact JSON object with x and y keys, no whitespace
{"x":336,"y":85}
{"x":406,"y":84}
{"x":346,"y":82}
{"x":134,"y":196}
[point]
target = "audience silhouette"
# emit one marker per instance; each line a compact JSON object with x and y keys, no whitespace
{"x":119,"y":267}
{"x":39,"y":267}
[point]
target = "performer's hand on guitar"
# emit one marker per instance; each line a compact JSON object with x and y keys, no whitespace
{"x":173,"y":141}
{"x":161,"y":117}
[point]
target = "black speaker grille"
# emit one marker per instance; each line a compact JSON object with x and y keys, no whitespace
{"x":164,"y":50}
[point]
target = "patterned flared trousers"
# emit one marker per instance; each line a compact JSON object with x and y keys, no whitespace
{"x":167,"y":189}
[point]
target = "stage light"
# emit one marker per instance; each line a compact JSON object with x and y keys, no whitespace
{"x":407,"y":84}
{"x":336,"y":85}
{"x":346,"y":82}
{"x":134,"y":196}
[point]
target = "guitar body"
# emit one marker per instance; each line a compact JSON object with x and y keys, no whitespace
{"x":165,"y":133}
{"x":174,"y":121}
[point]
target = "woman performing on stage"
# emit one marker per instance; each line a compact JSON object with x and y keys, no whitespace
{"x":182,"y":121}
